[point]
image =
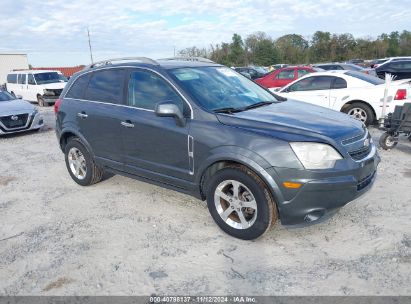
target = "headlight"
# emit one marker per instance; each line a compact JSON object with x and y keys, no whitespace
{"x":48,"y":92}
{"x":315,"y":155}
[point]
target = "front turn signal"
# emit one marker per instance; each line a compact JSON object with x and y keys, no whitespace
{"x":291,"y":185}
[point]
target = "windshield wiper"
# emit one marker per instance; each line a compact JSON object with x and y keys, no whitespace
{"x":257,"y":105}
{"x":228,"y":110}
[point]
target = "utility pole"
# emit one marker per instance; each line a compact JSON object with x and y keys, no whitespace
{"x":89,"y":44}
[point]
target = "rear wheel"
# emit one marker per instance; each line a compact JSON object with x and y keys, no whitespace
{"x":240,"y":203}
{"x":387,"y":141}
{"x":361,"y":112}
{"x":80,"y":163}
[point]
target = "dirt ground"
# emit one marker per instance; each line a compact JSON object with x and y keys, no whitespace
{"x":125,"y":237}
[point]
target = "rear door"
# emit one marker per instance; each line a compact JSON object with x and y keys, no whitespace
{"x":155,"y":146}
{"x":97,"y":99}
{"x":314,"y":90}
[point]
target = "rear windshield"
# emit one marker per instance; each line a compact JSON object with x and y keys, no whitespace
{"x":365,"y":77}
{"x":50,"y":77}
{"x":5,"y":96}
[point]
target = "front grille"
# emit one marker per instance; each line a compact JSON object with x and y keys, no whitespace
{"x":353,"y":139}
{"x":360,"y":153}
{"x":14,"y":121}
{"x":365,"y":181}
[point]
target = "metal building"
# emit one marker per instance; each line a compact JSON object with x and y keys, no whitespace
{"x":10,"y":62}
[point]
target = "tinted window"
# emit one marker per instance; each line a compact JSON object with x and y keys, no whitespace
{"x":286,"y":74}
{"x":12,"y":78}
{"x":77,"y":89}
{"x":339,"y":83}
{"x":30,"y":79}
{"x":106,"y":86}
{"x":326,"y":67}
{"x":365,"y":77}
{"x":145,"y":89}
{"x":352,"y":67}
{"x":22,"y":79}
{"x":312,"y":83}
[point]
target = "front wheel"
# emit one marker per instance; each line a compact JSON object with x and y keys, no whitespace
{"x":361,"y":112}
{"x":387,"y":141}
{"x":41,"y":101}
{"x":240,"y":203}
{"x":80,"y":163}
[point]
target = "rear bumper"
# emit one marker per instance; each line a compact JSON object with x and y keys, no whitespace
{"x":34,"y":123}
{"x":318,"y":199}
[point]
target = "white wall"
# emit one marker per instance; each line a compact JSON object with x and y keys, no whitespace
{"x":10,"y":62}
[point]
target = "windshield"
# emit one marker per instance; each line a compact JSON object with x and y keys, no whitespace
{"x":215,"y":88}
{"x":63,"y":78}
{"x":50,"y":77}
{"x":6,"y":96}
{"x":365,"y":77}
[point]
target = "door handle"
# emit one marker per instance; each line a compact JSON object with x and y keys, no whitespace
{"x":127,"y":124}
{"x":82,"y":115}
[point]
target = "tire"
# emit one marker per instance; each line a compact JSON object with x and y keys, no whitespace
{"x":242,"y":222}
{"x":409,"y":137}
{"x":387,"y":141}
{"x":40,"y":101}
{"x":360,"y":111}
{"x":88,"y":173}
{"x":12,"y":93}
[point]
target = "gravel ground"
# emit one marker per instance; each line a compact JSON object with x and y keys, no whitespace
{"x":125,"y":237}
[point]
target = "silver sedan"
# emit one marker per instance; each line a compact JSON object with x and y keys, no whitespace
{"x":17,"y":115}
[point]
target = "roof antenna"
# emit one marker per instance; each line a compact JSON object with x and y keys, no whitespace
{"x":89,"y":45}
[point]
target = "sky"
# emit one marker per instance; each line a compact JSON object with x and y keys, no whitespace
{"x":54,"y":33}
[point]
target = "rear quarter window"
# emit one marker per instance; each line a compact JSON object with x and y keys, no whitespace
{"x":76,"y":91}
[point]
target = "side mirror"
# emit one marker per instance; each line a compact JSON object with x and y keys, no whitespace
{"x":19,"y":97}
{"x":169,"y":109}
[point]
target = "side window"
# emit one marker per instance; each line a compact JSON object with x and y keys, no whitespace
{"x":106,"y":86}
{"x":77,"y":89}
{"x":301,"y":73}
{"x":12,"y":78}
{"x":145,"y":89}
{"x":22,"y":79}
{"x":406,"y":65}
{"x":339,"y":83}
{"x":286,"y":74}
{"x":394,"y":65}
{"x":30,"y":79}
{"x":313,"y":83}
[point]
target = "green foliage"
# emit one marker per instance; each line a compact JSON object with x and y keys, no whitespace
{"x":261,"y":49}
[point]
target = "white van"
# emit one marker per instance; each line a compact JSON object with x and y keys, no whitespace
{"x":39,"y":86}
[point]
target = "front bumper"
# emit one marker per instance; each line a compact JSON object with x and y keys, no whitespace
{"x":322,"y":194}
{"x":34,"y":122}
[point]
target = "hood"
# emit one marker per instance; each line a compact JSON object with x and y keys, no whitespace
{"x":55,"y":85}
{"x":298,"y":118}
{"x":15,"y":106}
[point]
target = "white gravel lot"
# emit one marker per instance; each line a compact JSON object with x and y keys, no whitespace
{"x":125,"y":237}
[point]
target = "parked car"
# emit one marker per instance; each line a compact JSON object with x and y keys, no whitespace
{"x":338,"y":66}
{"x":41,"y":86}
{"x":17,"y":115}
{"x":376,"y":63}
{"x":281,"y":77}
{"x":355,"y":62}
{"x":201,"y":128}
{"x":400,"y":69}
{"x":357,"y":94}
{"x":251,"y":72}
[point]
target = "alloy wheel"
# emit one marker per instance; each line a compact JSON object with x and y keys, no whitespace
{"x":77,"y":163}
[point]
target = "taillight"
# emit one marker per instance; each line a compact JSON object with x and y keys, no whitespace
{"x":401,"y":94}
{"x":57,"y":105}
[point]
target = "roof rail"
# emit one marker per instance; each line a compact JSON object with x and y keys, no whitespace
{"x":200,"y":59}
{"x":110,"y":61}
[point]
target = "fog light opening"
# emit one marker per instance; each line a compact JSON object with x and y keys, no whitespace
{"x":314,"y":216}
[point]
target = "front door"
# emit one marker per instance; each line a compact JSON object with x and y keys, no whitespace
{"x":314,"y":90}
{"x":155,"y":146}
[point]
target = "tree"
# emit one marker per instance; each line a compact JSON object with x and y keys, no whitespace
{"x":237,"y":54}
{"x":292,"y":48}
{"x":320,"y":47}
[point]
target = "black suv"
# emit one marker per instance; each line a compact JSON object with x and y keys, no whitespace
{"x":201,"y":128}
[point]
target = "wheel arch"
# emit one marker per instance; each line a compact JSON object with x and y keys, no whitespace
{"x":220,"y":162}
{"x":67,"y":134}
{"x":348,"y":103}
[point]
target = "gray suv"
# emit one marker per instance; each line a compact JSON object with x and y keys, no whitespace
{"x":201,"y":128}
